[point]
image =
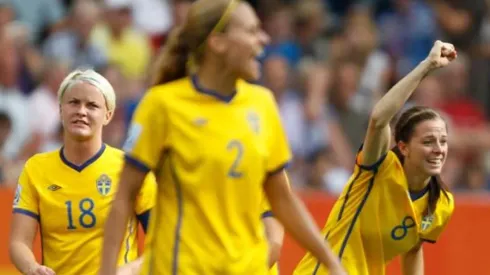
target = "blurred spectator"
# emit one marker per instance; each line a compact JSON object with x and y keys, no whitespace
{"x":44,"y":107}
{"x":362,"y":41}
{"x":73,"y":44}
{"x":40,"y":16}
{"x":346,"y":85}
{"x":5,"y":129}
{"x":54,"y":142}
{"x":326,"y":174}
{"x":154,"y":18}
{"x":279,"y":24}
{"x":12,"y":102}
{"x":408,"y":32}
{"x":126,"y":47}
{"x":461,"y":21}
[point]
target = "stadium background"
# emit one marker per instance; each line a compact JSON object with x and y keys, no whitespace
{"x":329,"y":61}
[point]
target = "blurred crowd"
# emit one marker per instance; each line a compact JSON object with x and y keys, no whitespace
{"x":328,"y":63}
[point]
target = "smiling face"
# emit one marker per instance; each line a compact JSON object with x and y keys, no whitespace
{"x":421,"y":135}
{"x":427,"y":149}
{"x":83,"y":112}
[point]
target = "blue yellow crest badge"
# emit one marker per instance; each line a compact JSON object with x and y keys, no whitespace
{"x":426,"y":222}
{"x":104,"y":184}
{"x":254,"y":121}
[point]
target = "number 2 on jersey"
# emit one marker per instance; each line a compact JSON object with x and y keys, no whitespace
{"x":86,"y":219}
{"x":238,"y":146}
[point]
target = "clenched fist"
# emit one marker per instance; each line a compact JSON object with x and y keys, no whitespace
{"x":441,"y":54}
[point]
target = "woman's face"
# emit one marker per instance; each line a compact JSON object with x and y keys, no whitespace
{"x":84,"y":112}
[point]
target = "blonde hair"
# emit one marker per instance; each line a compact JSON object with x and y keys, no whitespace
{"x":93,"y":78}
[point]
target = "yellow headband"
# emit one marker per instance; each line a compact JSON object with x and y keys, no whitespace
{"x":225,"y":17}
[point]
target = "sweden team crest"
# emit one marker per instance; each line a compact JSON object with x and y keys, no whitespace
{"x":254,"y":121}
{"x":104,"y":184}
{"x":426,"y":222}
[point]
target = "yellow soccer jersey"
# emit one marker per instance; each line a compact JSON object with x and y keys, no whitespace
{"x":71,"y":204}
{"x":376,"y":219}
{"x":211,"y":155}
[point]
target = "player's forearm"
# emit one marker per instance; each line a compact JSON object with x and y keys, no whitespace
{"x":131,"y":268}
{"x":274,"y":253}
{"x":299,"y":223}
{"x":114,"y":234}
{"x":395,"y":99}
{"x":22,"y":256}
{"x":291,"y":212}
{"x":413,"y":262}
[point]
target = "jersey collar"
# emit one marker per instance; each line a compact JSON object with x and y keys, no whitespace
{"x":79,"y":168}
{"x":213,"y":93}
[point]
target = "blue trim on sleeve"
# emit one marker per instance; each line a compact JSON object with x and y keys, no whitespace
{"x":27,"y":213}
{"x":136,"y":163}
{"x":267,"y":214}
{"x":144,"y":218}
{"x":373,"y":166}
{"x":428,"y":241}
{"x":279,"y":169}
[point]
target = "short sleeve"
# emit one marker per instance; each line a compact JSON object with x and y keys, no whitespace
{"x":26,"y":199}
{"x":146,"y":198}
{"x":265,"y":209}
{"x":147,"y":134}
{"x":279,"y":151}
{"x":434,"y":225}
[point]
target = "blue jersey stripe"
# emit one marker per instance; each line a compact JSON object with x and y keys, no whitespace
{"x":178,"y":190}
{"x":136,"y":163}
{"x":279,"y":169}
{"x":27,"y":213}
{"x":267,"y":214}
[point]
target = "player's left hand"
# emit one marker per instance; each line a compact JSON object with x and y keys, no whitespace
{"x":441,"y":54}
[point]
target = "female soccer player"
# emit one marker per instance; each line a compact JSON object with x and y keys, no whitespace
{"x":215,"y":143}
{"x":395,"y":199}
{"x":68,"y":192}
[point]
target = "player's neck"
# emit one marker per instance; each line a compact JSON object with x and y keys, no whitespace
{"x":78,"y":152}
{"x":416,"y":181}
{"x":212,"y":78}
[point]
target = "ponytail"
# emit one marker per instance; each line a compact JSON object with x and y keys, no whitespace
{"x":171,"y":63}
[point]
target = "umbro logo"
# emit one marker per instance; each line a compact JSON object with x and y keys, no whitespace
{"x":54,"y":187}
{"x":200,"y":121}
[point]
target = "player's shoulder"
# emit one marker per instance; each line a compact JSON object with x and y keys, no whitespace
{"x":387,"y":162}
{"x":170,"y":90}
{"x":43,"y":159}
{"x":113,"y":152}
{"x":256,"y":90}
{"x":446,"y":201}
{"x":261,"y":96}
{"x":112,"y":155}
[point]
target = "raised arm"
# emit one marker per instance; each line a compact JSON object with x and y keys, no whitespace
{"x":377,"y":140}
